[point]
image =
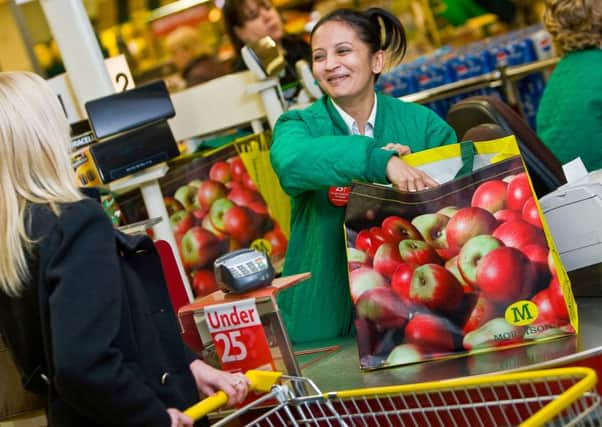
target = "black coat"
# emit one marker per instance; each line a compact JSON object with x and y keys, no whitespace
{"x":116,"y":354}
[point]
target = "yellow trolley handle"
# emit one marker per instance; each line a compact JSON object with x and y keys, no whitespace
{"x":261,"y":381}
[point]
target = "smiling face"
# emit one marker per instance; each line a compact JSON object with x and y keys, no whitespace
{"x":261,"y":19}
{"x":343,"y":64}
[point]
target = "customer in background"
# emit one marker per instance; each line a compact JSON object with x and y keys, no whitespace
{"x":248,"y":21}
{"x":194,"y":63}
{"x":569,"y":119}
{"x":84,"y":309}
{"x":352,"y":133}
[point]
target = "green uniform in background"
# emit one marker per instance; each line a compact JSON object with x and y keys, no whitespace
{"x":569,"y":118}
{"x":312,"y":151}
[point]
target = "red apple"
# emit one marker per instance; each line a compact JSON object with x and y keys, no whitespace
{"x":248,"y":182}
{"x":483,"y":311}
{"x":507,"y":215}
{"x":203,"y":282}
{"x":172,"y":205}
{"x":539,"y":257}
{"x":530,"y":213}
{"x":557,"y":299}
{"x":401,"y":279}
{"x":377,"y":237}
{"x":490,"y":195}
{"x":546,"y":315}
{"x":432,"y":229}
{"x":357,"y":258}
{"x":217,"y":211}
{"x":395,"y":229}
{"x":278,"y":242}
{"x":362,"y":279}
{"x":243,"y":196}
{"x":220,"y":171}
{"x":181,"y":222}
{"x":237,"y":167}
{"x":209,"y":191}
{"x":518,"y":233}
{"x":430,"y":333}
{"x":417,"y":252}
{"x":208,"y":225}
{"x":518,"y":192}
{"x":240,"y":224}
{"x":505,"y":275}
{"x":199,"y":248}
{"x":452,"y":266}
{"x":363,"y":242}
{"x":186,"y":196}
{"x":386,"y":259}
{"x":436,"y":288}
{"x":472,"y":253}
{"x":467,"y":223}
{"x":382,"y":306}
{"x":259,"y":207}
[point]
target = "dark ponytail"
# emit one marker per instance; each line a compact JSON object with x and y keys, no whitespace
{"x":378,"y":28}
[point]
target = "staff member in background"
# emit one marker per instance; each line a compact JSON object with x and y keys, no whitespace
{"x":248,"y":21}
{"x":569,"y":118}
{"x":84,"y":328}
{"x":352,"y":133}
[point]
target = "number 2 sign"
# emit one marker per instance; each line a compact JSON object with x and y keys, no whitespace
{"x":238,"y":336}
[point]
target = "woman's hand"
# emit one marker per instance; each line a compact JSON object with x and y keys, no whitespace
{"x":402,"y":150}
{"x":407,"y":178}
{"x":179,"y":419}
{"x":210,"y":380}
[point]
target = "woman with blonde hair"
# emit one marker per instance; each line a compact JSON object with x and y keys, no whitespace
{"x":84,"y":309}
{"x":569,"y":119}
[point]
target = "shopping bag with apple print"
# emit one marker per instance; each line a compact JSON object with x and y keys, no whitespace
{"x":466,"y":267}
{"x":214,"y":207}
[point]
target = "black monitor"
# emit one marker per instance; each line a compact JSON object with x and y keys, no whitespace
{"x":131,"y":109}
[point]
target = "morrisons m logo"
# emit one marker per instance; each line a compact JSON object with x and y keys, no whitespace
{"x":521,"y":313}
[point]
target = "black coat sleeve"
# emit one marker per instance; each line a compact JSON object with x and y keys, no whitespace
{"x":85,"y":283}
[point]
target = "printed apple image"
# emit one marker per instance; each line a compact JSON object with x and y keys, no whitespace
{"x":432,"y":228}
{"x":518,"y":192}
{"x":181,"y":222}
{"x":208,"y":225}
{"x":395,"y":229}
{"x":451,"y":265}
{"x":505,"y":275}
{"x":448,"y":211}
{"x":217,"y":211}
{"x":220,"y":171}
{"x":518,"y":233}
{"x":199,"y":248}
{"x":386,"y":259}
{"x":237,"y":168}
{"x":495,"y":333}
{"x":377,"y":237}
{"x":366,"y":336}
{"x":483,"y":311}
{"x":357,"y":258}
{"x":278,"y":242}
{"x":530,"y":213}
{"x":362,"y":279}
{"x":467,"y":223}
{"x":471,"y":254}
{"x":386,"y":341}
{"x":172,"y":205}
{"x":417,"y":252}
{"x":432,"y":333}
{"x":240,"y":224}
{"x":203,"y":282}
{"x":363,"y":242}
{"x":209,"y":191}
{"x":244,"y":197}
{"x":382,"y":306}
{"x":490,"y":195}
{"x":404,"y":354}
{"x":539,"y":257}
{"x":259,"y":207}
{"x":186,"y":196}
{"x":436,"y":288}
{"x":546,"y":315}
{"x":507,"y":215}
{"x":248,"y":182}
{"x":557,"y":299}
{"x":401,"y":280}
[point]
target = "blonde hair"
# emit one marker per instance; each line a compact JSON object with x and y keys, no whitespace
{"x":574,"y":24}
{"x":35,"y":166}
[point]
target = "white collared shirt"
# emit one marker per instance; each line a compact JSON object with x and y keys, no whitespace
{"x":352,"y":124}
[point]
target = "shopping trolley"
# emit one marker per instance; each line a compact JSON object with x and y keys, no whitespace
{"x":554,"y":397}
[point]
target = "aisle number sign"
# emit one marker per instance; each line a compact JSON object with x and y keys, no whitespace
{"x":238,"y":336}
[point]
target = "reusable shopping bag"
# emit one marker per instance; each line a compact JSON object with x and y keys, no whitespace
{"x":465,"y":267}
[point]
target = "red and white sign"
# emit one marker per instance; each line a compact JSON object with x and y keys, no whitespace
{"x":339,"y":196}
{"x":239,"y":336}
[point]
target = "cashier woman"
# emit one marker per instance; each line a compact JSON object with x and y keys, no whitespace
{"x":84,"y":309}
{"x":352,"y":133}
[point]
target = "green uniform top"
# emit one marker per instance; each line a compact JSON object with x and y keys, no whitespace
{"x":569,"y":118}
{"x":312,"y":151}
